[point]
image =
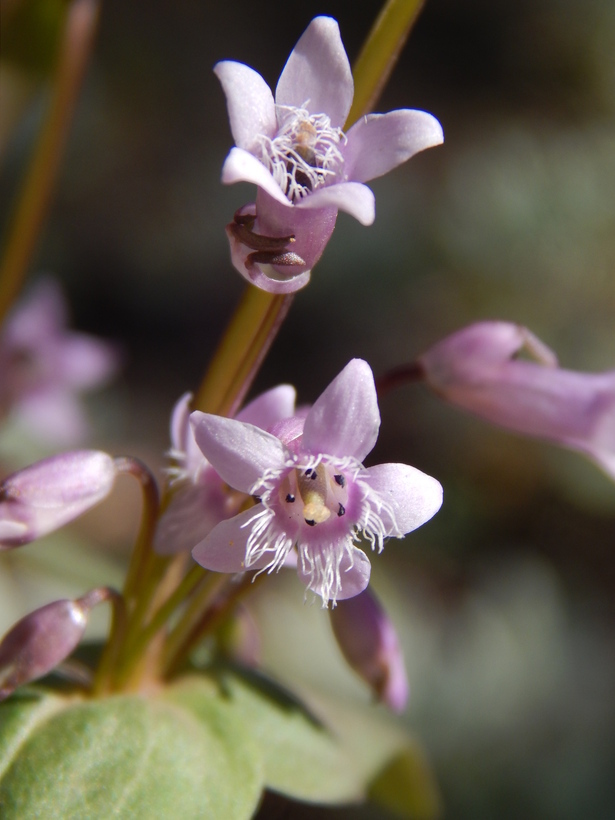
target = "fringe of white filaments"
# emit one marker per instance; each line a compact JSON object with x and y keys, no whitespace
{"x":266,"y":537}
{"x":371,"y":522}
{"x":281,"y":158}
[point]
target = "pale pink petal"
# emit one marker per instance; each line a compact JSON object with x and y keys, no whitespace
{"x":249,"y":102}
{"x":345,"y":420}
{"x":413,"y":496}
{"x":240,"y":453}
{"x":55,"y":414}
{"x":180,"y":423}
{"x":224,"y":549}
{"x":270,"y":407}
{"x":354,"y":571}
{"x":353,"y":198}
{"x":317,"y":75}
{"x":311,"y":229}
{"x":241,"y":166}
{"x":40,"y":317}
{"x":380,"y":142}
{"x":193,"y":511}
{"x":85,"y":362}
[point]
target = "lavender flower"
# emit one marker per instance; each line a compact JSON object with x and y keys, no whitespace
{"x":45,"y":496}
{"x":476,"y":368}
{"x":369,"y":643}
{"x":306,"y":168}
{"x":200,"y":499}
{"x":313,"y":491}
{"x":44,"y":366}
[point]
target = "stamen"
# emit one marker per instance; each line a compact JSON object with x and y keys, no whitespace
{"x":305,"y":154}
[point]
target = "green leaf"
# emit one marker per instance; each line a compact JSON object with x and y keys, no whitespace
{"x":127,"y":756}
{"x":303,"y":759}
{"x":384,"y":755}
{"x":407,"y":787}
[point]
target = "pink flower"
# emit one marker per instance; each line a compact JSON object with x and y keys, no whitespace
{"x":477,"y":368}
{"x":369,"y":643}
{"x":306,"y":168}
{"x":44,"y":366}
{"x":45,"y":496}
{"x":312,"y":490}
{"x":200,"y":499}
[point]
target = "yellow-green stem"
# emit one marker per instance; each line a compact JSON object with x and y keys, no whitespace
{"x":210,"y":588}
{"x":210,"y":619}
{"x":136,"y":646}
{"x":241,"y":351}
{"x":379,"y":54}
{"x":144,"y":567}
{"x":29,"y":216}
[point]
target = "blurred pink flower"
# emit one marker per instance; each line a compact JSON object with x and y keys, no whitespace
{"x":313,"y":491}
{"x":306,"y":168}
{"x":477,"y":368}
{"x":44,"y":367}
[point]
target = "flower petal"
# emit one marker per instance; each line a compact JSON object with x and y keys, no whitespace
{"x":192,"y":513}
{"x":240,"y":453}
{"x":317,"y":75}
{"x":55,"y":414}
{"x":249,"y":101}
{"x":380,"y":142}
{"x":413,"y":496}
{"x":241,"y":166}
{"x":354,"y":571}
{"x":354,"y":574}
{"x":354,"y":198}
{"x":264,"y":277}
{"x":270,"y":407}
{"x":344,"y":420}
{"x":224,"y":549}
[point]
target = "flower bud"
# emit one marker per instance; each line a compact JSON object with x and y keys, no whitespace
{"x":477,"y":368}
{"x":43,"y":639}
{"x":45,"y":496}
{"x":369,"y":643}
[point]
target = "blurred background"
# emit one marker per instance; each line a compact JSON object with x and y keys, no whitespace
{"x":505,"y":602}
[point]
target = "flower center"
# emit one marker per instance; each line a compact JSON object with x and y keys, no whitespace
{"x":305,"y":154}
{"x":314,"y":494}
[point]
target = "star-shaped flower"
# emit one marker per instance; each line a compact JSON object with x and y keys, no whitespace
{"x":313,"y":491}
{"x":306,"y":168}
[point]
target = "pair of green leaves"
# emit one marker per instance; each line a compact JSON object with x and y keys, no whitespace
{"x":205,"y":747}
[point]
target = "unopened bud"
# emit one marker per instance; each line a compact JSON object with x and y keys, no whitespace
{"x":45,"y":496}
{"x":369,"y":643}
{"x":44,"y":638}
{"x":478,"y":369}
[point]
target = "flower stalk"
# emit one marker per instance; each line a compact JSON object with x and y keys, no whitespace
{"x":74,"y":51}
{"x":380,"y":53}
